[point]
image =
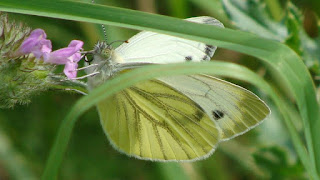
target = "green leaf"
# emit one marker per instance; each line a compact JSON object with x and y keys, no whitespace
{"x":307,"y":47}
{"x":252,"y":16}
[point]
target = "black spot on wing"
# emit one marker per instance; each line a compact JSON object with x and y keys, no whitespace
{"x":188,"y":58}
{"x":206,"y":58}
{"x":209,"y":50}
{"x":217,"y":114}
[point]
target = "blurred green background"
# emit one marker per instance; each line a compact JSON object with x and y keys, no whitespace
{"x":27,"y":132}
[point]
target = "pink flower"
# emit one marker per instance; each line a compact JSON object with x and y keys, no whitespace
{"x":41,"y":48}
{"x":70,"y":56}
{"x":37,"y":44}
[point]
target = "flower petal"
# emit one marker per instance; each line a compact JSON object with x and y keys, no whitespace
{"x":77,"y":44}
{"x":70,"y":70}
{"x":43,"y":48}
{"x":64,"y":55}
{"x":36,"y":43}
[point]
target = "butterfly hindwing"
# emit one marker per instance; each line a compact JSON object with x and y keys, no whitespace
{"x":153,"y":121}
{"x":234,"y":109}
{"x":152,"y":47}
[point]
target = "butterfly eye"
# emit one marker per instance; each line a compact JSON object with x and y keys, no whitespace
{"x":88,"y":58}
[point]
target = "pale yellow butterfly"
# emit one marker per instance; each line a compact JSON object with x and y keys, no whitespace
{"x":178,"y":118}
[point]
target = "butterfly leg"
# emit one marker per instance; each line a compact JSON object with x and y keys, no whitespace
{"x":88,"y":75}
{"x":76,"y":90}
{"x":86,"y":67}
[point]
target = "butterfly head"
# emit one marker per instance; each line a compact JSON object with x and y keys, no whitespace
{"x":99,"y":56}
{"x":102,"y":52}
{"x":101,"y":63}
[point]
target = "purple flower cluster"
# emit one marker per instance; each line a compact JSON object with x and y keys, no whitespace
{"x":41,"y":48}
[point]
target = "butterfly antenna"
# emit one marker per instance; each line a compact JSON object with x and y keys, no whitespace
{"x":104,"y":32}
{"x":103,"y":27}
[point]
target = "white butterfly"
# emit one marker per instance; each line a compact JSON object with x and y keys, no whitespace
{"x":178,"y":118}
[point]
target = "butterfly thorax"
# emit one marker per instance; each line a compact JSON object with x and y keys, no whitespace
{"x":105,"y":61}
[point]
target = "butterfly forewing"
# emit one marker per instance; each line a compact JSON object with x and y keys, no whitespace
{"x":234,"y":109}
{"x":152,"y":47}
{"x":151,"y":120}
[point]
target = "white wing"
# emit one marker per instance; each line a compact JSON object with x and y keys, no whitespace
{"x":152,"y":47}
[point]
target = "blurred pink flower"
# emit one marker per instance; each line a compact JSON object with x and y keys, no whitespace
{"x":41,"y":48}
{"x":37,"y":44}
